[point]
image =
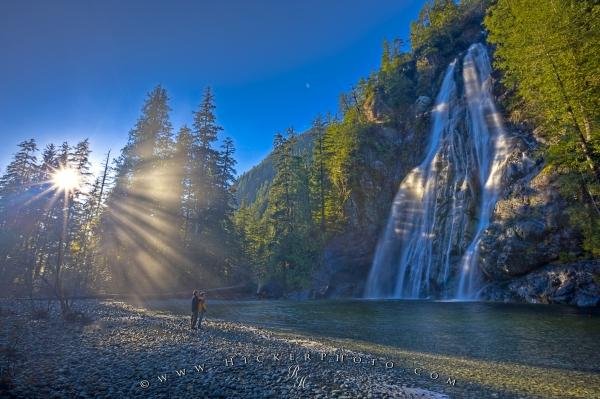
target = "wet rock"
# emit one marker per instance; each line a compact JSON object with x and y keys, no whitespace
{"x":531,"y":229}
{"x":571,"y":284}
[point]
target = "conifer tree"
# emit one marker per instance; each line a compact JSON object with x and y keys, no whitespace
{"x":140,"y":205}
{"x":205,"y":131}
{"x":225,"y":180}
{"x":318,"y":172}
{"x":17,"y":220}
{"x":184,"y":165}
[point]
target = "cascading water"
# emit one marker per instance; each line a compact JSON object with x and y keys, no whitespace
{"x":443,"y":205}
{"x":491,"y":148}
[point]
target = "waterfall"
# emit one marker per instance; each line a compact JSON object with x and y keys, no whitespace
{"x":430,"y":242}
{"x":491,"y":145}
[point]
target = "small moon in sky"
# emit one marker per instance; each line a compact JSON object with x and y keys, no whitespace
{"x":307,"y":85}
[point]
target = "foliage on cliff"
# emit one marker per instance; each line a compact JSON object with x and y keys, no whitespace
{"x":549,"y":54}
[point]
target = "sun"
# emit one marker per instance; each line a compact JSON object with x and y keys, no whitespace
{"x":66,"y":179}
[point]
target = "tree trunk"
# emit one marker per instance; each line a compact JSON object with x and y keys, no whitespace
{"x":583,"y":143}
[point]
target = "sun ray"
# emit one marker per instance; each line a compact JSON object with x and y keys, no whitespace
{"x":66,"y":179}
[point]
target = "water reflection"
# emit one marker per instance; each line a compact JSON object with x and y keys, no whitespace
{"x":548,"y":336}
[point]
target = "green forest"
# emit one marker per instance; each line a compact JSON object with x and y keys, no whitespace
{"x":168,"y":213}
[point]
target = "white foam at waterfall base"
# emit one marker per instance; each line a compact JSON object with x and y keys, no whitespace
{"x":416,"y":256}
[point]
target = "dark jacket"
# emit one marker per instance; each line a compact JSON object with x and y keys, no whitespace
{"x":195,"y":302}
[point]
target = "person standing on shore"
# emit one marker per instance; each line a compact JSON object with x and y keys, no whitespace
{"x":195,"y":309}
{"x":201,"y":308}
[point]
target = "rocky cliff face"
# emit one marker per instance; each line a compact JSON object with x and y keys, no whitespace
{"x":529,"y":253}
{"x":531,"y":227}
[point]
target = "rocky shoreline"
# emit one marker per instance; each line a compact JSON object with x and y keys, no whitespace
{"x":126,"y":351}
{"x":131,"y":352}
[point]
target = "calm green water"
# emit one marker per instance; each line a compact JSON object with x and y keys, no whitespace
{"x":537,"y":335}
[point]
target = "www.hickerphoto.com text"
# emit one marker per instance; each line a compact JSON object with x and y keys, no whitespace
{"x":296,"y":365}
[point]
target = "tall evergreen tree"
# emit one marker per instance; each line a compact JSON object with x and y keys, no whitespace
{"x":318,"y":173}
{"x":206,"y":130}
{"x":184,"y":165}
{"x":140,"y":206}
{"x":20,"y":174}
{"x":227,"y":163}
{"x":17,"y":219}
{"x":288,"y":214}
{"x":225,"y":180}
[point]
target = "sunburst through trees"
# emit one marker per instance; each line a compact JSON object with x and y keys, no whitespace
{"x":167,"y":220}
{"x":157,"y":221}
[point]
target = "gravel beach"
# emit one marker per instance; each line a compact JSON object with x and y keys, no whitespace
{"x":131,"y":352}
{"x":128,"y":351}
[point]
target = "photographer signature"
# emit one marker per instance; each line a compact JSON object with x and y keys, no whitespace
{"x":299,"y":380}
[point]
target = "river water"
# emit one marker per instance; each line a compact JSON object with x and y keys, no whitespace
{"x":548,"y":336}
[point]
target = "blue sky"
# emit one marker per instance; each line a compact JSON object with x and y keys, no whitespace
{"x":76,"y":69}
